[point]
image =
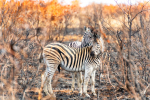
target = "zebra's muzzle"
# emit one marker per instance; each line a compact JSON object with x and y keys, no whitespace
{"x":92,"y":54}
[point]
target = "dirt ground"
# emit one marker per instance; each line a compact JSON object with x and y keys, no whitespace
{"x":62,"y":88}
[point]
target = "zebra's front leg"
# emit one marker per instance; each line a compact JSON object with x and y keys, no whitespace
{"x":50,"y":72}
{"x":93,"y":82}
{"x":88,"y":72}
{"x":73,"y":81}
{"x":44,"y":83}
{"x":79,"y":78}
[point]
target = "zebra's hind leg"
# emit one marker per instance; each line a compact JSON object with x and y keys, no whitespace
{"x":87,"y":75}
{"x":44,"y":83}
{"x":80,"y":81}
{"x":93,"y":82}
{"x":41,"y":88}
{"x":73,"y":81}
{"x":50,"y":72}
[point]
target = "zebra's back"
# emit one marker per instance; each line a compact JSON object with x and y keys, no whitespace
{"x":75,"y":44}
{"x":70,"y":59}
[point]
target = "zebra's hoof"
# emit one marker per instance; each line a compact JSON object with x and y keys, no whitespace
{"x":72,"y":89}
{"x":88,"y":96}
{"x":79,"y":94}
{"x":94,"y":94}
{"x":53,"y":95}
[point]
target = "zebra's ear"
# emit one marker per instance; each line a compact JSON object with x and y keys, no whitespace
{"x":84,"y":28}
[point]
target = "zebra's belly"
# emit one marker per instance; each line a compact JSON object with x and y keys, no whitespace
{"x":72,"y":68}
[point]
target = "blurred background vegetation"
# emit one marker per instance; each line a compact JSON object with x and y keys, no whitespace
{"x":27,"y":25}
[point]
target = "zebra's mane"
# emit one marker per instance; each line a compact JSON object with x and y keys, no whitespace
{"x":95,"y":32}
{"x":77,"y":50}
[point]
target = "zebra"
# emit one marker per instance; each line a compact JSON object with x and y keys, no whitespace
{"x":85,"y":59}
{"x":77,"y":44}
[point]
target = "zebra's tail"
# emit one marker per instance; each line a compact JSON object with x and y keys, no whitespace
{"x":59,"y":68}
{"x":40,"y":57}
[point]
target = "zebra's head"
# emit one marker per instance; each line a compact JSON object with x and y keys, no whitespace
{"x":88,"y":36}
{"x":93,"y":41}
{"x":96,"y":46}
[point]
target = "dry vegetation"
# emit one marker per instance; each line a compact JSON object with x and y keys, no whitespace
{"x":26,"y":26}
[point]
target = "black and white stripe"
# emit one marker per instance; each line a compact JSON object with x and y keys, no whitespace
{"x":68,"y":58}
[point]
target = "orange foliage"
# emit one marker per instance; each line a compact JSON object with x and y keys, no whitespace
{"x":75,"y":3}
{"x":53,"y":10}
{"x":134,"y":9}
{"x":110,"y":9}
{"x":27,"y":9}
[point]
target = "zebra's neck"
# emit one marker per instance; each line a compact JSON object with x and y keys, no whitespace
{"x":82,"y":49}
{"x":84,"y":44}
